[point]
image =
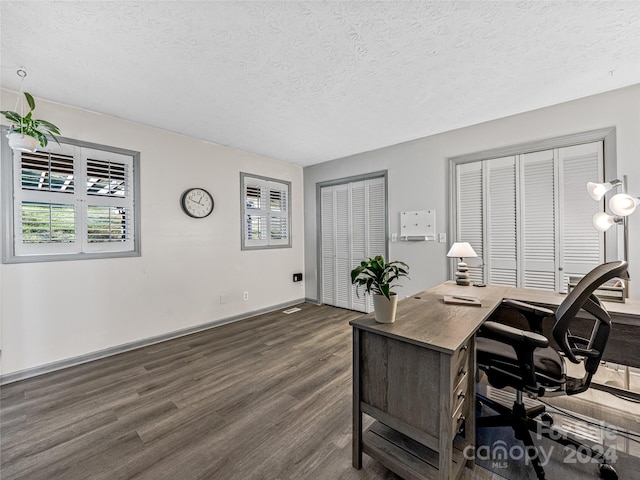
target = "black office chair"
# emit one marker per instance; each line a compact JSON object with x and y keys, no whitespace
{"x":525,"y":360}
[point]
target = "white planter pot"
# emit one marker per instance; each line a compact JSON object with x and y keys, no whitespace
{"x":385,"y":309}
{"x":22,"y":142}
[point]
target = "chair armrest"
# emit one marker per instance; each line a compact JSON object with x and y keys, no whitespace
{"x":513,"y":336}
{"x":532,"y":313}
{"x":527,"y":307}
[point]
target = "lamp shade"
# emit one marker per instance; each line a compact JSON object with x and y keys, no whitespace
{"x":623,"y":204}
{"x":597,"y":190}
{"x":603,"y":221}
{"x":461,"y":250}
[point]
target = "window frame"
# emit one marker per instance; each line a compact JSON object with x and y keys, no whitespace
{"x":8,"y":185}
{"x":248,"y":244}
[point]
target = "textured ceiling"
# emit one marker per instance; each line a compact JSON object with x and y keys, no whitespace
{"x":307,"y":82}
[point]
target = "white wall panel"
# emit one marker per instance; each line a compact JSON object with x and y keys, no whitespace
{"x":419,"y":176}
{"x":186,"y":264}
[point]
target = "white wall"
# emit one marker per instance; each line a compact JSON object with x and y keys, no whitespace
{"x":60,"y":310}
{"x":418,"y":175}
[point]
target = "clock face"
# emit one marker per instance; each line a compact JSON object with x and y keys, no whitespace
{"x":197,"y":202}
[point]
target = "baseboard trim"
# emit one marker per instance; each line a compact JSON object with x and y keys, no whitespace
{"x":107,"y":352}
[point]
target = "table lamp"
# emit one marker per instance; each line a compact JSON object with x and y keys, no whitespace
{"x":462,"y":250}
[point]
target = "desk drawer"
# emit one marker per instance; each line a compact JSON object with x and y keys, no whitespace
{"x":460,"y":362}
{"x":460,"y":392}
{"x":460,"y":414}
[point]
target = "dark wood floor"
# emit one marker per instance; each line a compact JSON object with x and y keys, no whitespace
{"x":264,"y":398}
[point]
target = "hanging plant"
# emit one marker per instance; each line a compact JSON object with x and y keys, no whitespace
{"x":26,"y":126}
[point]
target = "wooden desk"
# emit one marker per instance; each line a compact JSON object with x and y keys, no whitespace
{"x":416,"y":378}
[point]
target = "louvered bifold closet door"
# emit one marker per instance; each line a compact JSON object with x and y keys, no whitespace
{"x":368,"y":231}
{"x":470,"y":225}
{"x":582,"y":245}
{"x":359,"y":238}
{"x":328,"y":253}
{"x":501,"y":248}
{"x":353,"y":222}
{"x":539,"y":222}
{"x":376,"y":222}
{"x":343,"y":247}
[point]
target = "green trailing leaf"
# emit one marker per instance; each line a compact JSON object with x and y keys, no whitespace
{"x":30,"y":100}
{"x":27,"y":125}
{"x":13,"y":116}
{"x":49,"y":126}
{"x":378,"y":276}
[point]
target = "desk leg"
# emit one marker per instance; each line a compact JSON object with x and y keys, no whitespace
{"x":357,"y":414}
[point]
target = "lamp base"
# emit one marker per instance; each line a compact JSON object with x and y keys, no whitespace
{"x":462,"y":275}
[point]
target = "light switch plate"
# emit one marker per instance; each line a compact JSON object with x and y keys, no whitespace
{"x":442,"y":237}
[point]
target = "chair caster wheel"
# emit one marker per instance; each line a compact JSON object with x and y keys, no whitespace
{"x":607,"y":472}
{"x":546,"y":418}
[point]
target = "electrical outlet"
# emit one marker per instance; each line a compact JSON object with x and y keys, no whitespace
{"x":246,"y":296}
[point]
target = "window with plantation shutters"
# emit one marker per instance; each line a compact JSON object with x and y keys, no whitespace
{"x":266,"y":212}
{"x":71,"y":201}
{"x":528,"y":216}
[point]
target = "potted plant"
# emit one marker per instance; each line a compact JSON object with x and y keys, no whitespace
{"x":378,"y":277}
{"x":27,"y":132}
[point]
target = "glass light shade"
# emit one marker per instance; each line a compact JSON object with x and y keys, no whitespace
{"x":461,"y":250}
{"x":603,"y":221}
{"x":597,"y":190}
{"x":623,"y":204}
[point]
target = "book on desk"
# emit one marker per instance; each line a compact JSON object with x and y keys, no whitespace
{"x":462,"y":300}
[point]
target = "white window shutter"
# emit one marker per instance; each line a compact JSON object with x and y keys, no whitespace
{"x":582,"y":244}
{"x":470,"y":226}
{"x":278,"y":213}
{"x":107,"y":201}
{"x":256,"y":212}
{"x":538,"y":246}
{"x":501,"y":248}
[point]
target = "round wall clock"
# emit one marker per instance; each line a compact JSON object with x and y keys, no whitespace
{"x":197,"y":202}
